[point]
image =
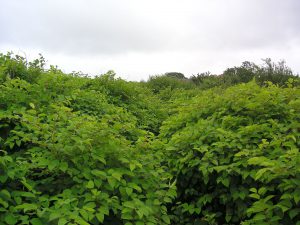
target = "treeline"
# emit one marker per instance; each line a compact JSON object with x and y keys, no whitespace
{"x":277,"y":73}
{"x":203,"y":150}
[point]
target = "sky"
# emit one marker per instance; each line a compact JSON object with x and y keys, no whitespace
{"x":139,"y":38}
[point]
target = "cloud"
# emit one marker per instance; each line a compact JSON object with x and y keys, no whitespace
{"x":81,"y":26}
{"x":139,"y":37}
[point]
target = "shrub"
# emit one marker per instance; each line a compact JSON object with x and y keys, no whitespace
{"x":15,"y":66}
{"x":235,"y":156}
{"x":134,"y":97}
{"x":61,"y":166}
{"x":160,"y":83}
{"x":81,"y":150}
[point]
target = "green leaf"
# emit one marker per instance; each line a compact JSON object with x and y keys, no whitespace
{"x":5,"y":194}
{"x":27,"y":194}
{"x":10,"y":219}
{"x":254,"y":195}
{"x":262,"y":191}
{"x":112,"y":182}
{"x":166,"y":219}
{"x":296,"y":195}
{"x":117,"y":175}
{"x":27,"y":207}
{"x":54,"y":215}
{"x":104,"y":209}
{"x":100,"y":158}
{"x":140,"y":213}
{"x":63,"y":166}
{"x":167,"y":199}
{"x":84,"y":214}
{"x":90,"y":184}
{"x":225,"y":182}
{"x":32,"y":105}
{"x":260,"y":173}
{"x":228,"y":217}
{"x":4,"y":203}
{"x":131,"y":166}
{"x":99,"y":173}
{"x":62,"y":221}
{"x":3,"y":178}
{"x":128,"y":191}
{"x":81,"y":221}
{"x":259,"y":217}
{"x":53,"y":164}
{"x":100,"y":217}
{"x":129,"y":204}
{"x":11,"y":145}
{"x":294,"y":212}
{"x":135,"y":186}
{"x":18,"y":142}
{"x":126,"y":216}
{"x":156,"y":202}
{"x":36,"y":221}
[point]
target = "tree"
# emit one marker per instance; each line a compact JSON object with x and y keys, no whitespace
{"x":175,"y":75}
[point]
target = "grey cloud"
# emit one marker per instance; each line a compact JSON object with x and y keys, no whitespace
{"x":80,"y":27}
{"x":105,"y":27}
{"x":154,"y":35}
{"x":239,"y":25}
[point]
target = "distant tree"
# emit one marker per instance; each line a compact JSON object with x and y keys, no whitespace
{"x":161,"y":82}
{"x":175,"y":75}
{"x":200,"y":77}
{"x":277,"y":73}
{"x":206,"y":80}
{"x":241,"y":74}
{"x":16,"y":66}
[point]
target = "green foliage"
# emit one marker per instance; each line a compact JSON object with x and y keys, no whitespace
{"x":277,"y":73}
{"x":17,"y":67}
{"x":206,"y":80}
{"x":166,"y":82}
{"x":81,"y":150}
{"x":235,"y":156}
{"x":132,"y":97}
{"x":175,"y":75}
{"x":242,"y":74}
{"x":70,"y":155}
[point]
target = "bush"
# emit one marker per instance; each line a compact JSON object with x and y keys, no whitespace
{"x":81,"y":150}
{"x":62,"y":166}
{"x":160,"y":83}
{"x":133,"y":97}
{"x":15,"y":66}
{"x":277,"y":73}
{"x":235,"y":156}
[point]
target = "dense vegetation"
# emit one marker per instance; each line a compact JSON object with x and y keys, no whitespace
{"x":173,"y":150}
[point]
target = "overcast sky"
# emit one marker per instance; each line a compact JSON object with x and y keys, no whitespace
{"x":138,"y":38}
